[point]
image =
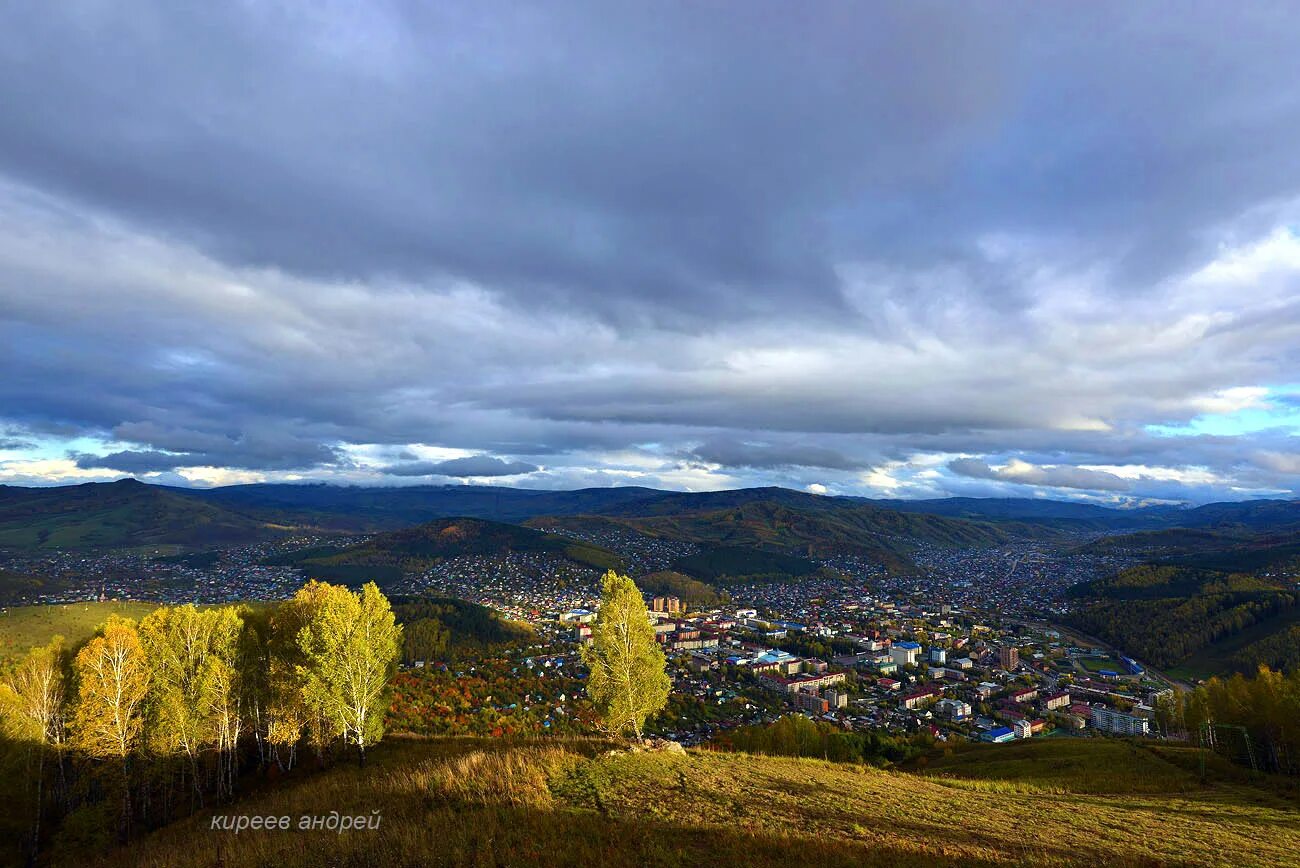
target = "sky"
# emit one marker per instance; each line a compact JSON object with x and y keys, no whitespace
{"x":899,"y":249}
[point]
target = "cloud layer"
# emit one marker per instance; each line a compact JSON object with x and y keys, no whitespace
{"x":904,"y":249}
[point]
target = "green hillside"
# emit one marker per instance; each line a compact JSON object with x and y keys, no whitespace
{"x":722,"y":565}
{"x":120,"y":514}
{"x":441,"y":628}
{"x":1195,"y":622}
{"x":485,"y":802}
{"x":881,"y":535}
{"x":412,"y":550}
{"x":24,"y":627}
{"x":692,"y":591}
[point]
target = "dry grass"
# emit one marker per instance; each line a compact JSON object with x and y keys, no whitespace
{"x":471,"y":802}
{"x":516,"y":778}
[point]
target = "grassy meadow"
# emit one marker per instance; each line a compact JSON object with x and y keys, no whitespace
{"x":24,"y":627}
{"x":494,"y":802}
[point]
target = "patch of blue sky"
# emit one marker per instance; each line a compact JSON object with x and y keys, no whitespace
{"x":1280,"y":409}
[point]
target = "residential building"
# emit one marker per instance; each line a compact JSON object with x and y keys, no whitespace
{"x":1009,"y":657}
{"x":1118,"y":722}
{"x":1056,"y":701}
{"x":953,"y":709}
{"x":920,"y":698}
{"x":905,"y":653}
{"x":811,"y":702}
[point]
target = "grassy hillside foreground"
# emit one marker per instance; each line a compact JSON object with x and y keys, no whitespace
{"x":24,"y":627}
{"x":476,"y":802}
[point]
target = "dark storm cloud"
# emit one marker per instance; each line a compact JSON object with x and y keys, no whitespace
{"x":766,"y":456}
{"x":664,"y":243}
{"x":470,"y":465}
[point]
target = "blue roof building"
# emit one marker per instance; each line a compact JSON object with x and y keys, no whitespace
{"x":999,"y":735}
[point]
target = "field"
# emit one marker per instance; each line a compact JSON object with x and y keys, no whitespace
{"x":493,"y":802}
{"x":1097,"y":664}
{"x":25,"y":627}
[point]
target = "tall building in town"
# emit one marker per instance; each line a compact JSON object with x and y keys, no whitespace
{"x":1009,"y":657}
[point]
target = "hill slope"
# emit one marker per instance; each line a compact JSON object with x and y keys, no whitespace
{"x":567,"y":803}
{"x":881,"y":535}
{"x":119,"y":514}
{"x":412,"y":550}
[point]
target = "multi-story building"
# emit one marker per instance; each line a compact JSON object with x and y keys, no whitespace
{"x":954,"y":709}
{"x":1118,"y":722}
{"x":1056,"y":701}
{"x":811,"y":702}
{"x":920,"y":698}
{"x":1009,"y":657}
{"x":671,"y":605}
{"x":905,"y":653}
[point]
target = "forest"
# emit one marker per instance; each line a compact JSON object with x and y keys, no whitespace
{"x":1265,"y":708}
{"x":1166,"y":614}
{"x":148,"y":721}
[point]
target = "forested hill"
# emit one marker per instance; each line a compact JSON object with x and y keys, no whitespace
{"x":120,"y":514}
{"x":387,"y":556}
{"x":1196,"y":621}
{"x":880,"y":535}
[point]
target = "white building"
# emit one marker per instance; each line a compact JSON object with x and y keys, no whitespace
{"x":905,"y":653}
{"x":1119,"y":723}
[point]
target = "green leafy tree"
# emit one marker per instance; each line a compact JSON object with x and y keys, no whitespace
{"x":627,"y":683}
{"x":350,"y":647}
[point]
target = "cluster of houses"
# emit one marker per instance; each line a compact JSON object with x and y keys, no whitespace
{"x":904,"y":671}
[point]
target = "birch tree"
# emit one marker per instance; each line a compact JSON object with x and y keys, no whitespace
{"x":627,"y":681}
{"x":350,"y":648}
{"x":32,"y":711}
{"x":112,"y":675}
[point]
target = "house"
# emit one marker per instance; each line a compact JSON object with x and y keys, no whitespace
{"x":1022,"y":729}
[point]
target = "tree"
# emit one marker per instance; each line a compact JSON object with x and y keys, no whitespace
{"x":627,"y":681}
{"x":112,"y":673}
{"x":177,"y":643}
{"x":350,"y":647}
{"x":113,"y":677}
{"x":32,"y":710}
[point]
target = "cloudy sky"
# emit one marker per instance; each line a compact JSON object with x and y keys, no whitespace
{"x":902,"y":250}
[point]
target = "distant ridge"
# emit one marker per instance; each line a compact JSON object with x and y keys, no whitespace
{"x":129,"y":513}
